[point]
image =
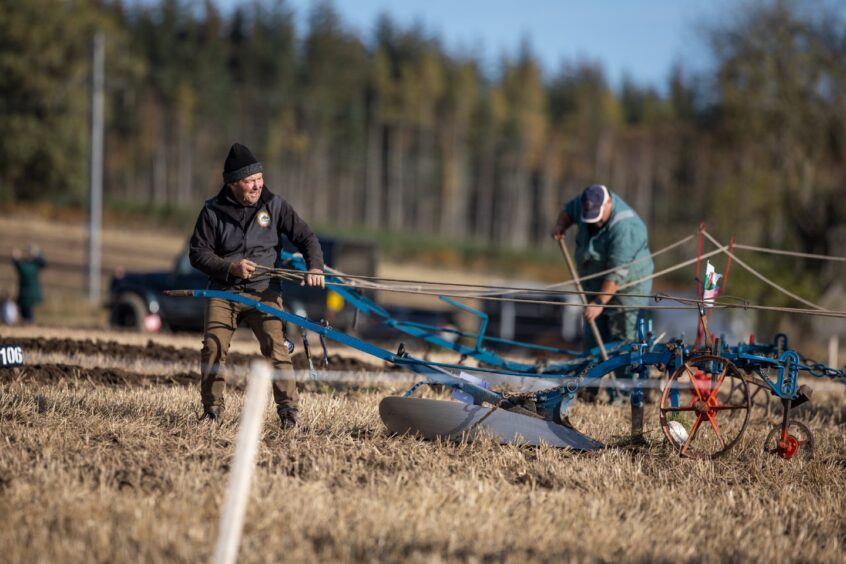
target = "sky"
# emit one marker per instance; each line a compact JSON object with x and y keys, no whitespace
{"x":641,"y":39}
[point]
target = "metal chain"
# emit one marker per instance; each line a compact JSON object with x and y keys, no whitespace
{"x":820,"y":370}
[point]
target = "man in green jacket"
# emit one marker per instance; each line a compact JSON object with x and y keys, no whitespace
{"x":612,"y":258}
{"x":29,"y":285}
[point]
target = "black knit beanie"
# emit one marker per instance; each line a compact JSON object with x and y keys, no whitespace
{"x":240,"y":163}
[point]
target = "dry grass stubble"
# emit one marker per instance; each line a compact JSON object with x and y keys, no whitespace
{"x":94,"y":472}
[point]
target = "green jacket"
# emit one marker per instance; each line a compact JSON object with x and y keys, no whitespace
{"x":29,"y":288}
{"x":622,"y":240}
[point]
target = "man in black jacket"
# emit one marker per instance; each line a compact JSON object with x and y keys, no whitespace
{"x":238,"y":230}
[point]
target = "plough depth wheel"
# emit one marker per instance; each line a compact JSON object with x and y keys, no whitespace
{"x":796,"y":440}
{"x":704,"y":408}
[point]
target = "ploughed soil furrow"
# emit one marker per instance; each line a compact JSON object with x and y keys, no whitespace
{"x":74,"y":375}
{"x":162,"y":353}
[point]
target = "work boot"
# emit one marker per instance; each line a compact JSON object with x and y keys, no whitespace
{"x":288,"y":417}
{"x":212,"y":413}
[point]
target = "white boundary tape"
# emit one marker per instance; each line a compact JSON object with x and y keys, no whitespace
{"x":514,"y":383}
{"x":243,"y":464}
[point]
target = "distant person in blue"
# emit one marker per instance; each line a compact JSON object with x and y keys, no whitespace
{"x":613,"y":258}
{"x":29,"y":284}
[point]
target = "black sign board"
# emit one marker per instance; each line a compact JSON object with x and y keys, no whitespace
{"x":11,"y":355}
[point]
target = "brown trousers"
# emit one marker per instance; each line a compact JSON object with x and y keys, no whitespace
{"x":222,"y":318}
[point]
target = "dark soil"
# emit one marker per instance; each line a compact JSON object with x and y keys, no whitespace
{"x":71,"y":375}
{"x":164,"y":353}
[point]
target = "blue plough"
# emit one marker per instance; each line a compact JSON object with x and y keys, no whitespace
{"x":704,"y":405}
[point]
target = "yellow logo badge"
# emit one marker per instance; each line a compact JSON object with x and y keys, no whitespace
{"x":263,"y":218}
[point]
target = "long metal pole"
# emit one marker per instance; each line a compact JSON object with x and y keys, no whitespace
{"x":95,"y":193}
{"x":594,"y":329}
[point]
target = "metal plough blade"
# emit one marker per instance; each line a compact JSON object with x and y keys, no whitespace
{"x":453,"y":420}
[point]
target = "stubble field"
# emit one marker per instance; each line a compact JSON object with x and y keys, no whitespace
{"x":103,"y":460}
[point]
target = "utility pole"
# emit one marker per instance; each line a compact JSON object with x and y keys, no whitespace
{"x":95,"y":192}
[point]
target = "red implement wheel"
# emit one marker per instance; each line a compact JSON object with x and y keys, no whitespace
{"x":796,"y":440}
{"x":704,"y":408}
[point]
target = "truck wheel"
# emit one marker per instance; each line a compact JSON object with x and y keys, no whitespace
{"x":129,"y":311}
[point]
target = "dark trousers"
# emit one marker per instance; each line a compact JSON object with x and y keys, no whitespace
{"x":222,"y":318}
{"x":27,"y":313}
{"x":615,"y":325}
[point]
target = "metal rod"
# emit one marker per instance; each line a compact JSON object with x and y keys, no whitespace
{"x":592,"y":323}
{"x":701,"y":232}
{"x":728,"y":266}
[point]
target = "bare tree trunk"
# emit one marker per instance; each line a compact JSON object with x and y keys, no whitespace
{"x":373,"y":176}
{"x":503,"y":200}
{"x":548,"y":204}
{"x":645,"y":178}
{"x":396,"y":179}
{"x":604,"y":154}
{"x":521,"y":198}
{"x":159,"y":188}
{"x":425,"y":189}
{"x":308,"y":183}
{"x":185,"y":173}
{"x":345,"y":211}
{"x":486,"y":189}
{"x":618,"y":176}
{"x":301,"y":183}
{"x":454,"y":188}
{"x":323,"y":189}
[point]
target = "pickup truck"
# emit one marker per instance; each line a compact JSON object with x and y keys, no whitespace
{"x":137,"y":300}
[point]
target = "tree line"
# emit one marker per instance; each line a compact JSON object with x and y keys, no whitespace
{"x":396,"y":132}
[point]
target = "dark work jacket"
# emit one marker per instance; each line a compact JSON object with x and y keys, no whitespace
{"x":228,"y":231}
{"x":29,"y":288}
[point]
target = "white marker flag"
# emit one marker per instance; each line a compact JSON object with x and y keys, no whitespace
{"x":710,"y":286}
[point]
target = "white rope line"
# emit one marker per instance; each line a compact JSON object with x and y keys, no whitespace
{"x":471,"y":294}
{"x":670,"y":269}
{"x":381,"y":286}
{"x":551,"y":287}
{"x":789,"y":253}
{"x":690,"y":303}
{"x":411,"y":287}
{"x":559,"y":285}
{"x":610,"y":270}
{"x":451,"y":291}
{"x":499,"y":293}
{"x":761,"y":276}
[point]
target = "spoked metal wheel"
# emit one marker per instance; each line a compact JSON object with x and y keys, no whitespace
{"x":760,"y":400}
{"x":704,"y":408}
{"x":762,"y":397}
{"x":797,"y":440}
{"x":759,"y":397}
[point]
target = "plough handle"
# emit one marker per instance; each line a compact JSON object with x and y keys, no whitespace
{"x":593,"y":328}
